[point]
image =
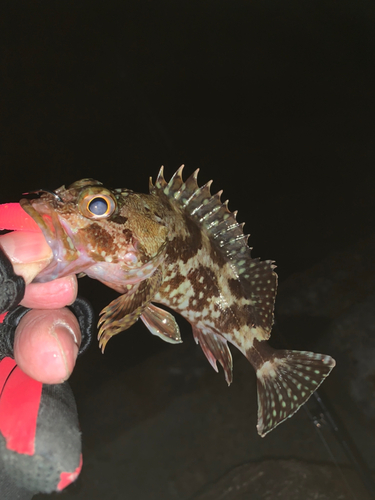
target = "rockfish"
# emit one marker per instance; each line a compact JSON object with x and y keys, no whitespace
{"x":181,"y":247}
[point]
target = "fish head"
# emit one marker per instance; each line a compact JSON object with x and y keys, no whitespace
{"x":115,"y":236}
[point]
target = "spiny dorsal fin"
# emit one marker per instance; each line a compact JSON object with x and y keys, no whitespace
{"x":258,"y":279}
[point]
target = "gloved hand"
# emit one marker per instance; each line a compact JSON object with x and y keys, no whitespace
{"x":40,"y":445}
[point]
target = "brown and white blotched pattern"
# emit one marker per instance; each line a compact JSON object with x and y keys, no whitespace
{"x":179,"y":246}
{"x":205,"y":280}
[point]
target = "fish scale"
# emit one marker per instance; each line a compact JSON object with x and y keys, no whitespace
{"x":179,"y":246}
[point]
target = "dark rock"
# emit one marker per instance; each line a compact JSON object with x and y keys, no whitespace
{"x":284,"y":480}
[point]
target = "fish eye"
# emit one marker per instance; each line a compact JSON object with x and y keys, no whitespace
{"x":97,"y":206}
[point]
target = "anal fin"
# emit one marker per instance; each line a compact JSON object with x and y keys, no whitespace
{"x":215,"y":348}
{"x":161,"y":323}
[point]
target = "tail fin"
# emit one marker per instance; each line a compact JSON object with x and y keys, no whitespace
{"x":285,"y":383}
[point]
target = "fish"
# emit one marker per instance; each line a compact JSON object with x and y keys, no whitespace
{"x":178,"y":246}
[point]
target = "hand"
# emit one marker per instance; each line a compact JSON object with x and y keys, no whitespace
{"x":47,"y":338}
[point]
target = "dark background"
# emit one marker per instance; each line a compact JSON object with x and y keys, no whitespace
{"x":273,"y":100}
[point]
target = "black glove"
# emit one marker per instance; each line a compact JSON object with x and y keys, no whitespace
{"x":40,"y":442}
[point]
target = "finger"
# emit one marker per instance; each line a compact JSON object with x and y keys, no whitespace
{"x":28,"y":252}
{"x":46,"y":344}
{"x":51,"y":295}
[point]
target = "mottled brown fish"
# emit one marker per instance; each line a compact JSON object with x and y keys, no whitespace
{"x":181,"y":247}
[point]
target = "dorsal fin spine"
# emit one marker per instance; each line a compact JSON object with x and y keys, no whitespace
{"x":160,"y":182}
{"x":207,"y":209}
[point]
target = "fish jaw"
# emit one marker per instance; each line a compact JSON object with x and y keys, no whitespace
{"x":120,"y":276}
{"x":67,"y":259}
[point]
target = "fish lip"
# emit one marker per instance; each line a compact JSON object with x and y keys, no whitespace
{"x":38,"y":218}
{"x":56,"y":234}
{"x":51,"y":231}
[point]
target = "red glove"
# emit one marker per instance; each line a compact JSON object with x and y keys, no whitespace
{"x":40,"y":444}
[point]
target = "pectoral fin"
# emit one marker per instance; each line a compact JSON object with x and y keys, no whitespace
{"x":124,"y":311}
{"x":162,"y":324}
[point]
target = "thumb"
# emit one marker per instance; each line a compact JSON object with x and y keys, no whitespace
{"x":28,"y":252}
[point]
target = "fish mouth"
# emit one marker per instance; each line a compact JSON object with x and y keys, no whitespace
{"x":44,"y":217}
{"x":58,"y":238}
